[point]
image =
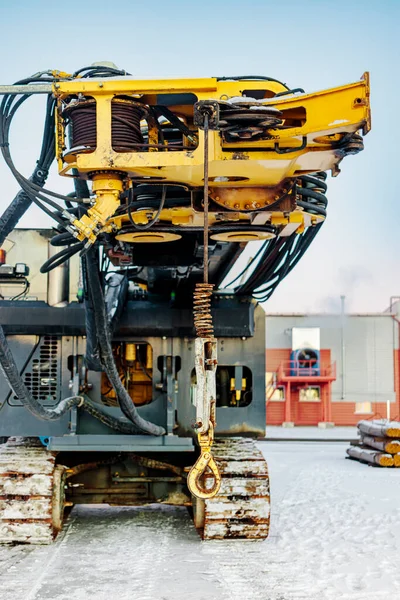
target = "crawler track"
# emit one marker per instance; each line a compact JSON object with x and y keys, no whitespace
{"x":31,"y":493}
{"x":241,"y":508}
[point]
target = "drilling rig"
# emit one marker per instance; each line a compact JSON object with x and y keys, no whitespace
{"x":149,"y":385}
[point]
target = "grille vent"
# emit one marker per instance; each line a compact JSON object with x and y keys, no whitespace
{"x":42,"y":378}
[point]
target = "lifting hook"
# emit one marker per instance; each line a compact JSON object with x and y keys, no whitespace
{"x":204,"y":462}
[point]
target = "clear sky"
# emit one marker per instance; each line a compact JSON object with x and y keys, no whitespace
{"x":313,"y":44}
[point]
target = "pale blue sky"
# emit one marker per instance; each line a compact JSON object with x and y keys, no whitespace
{"x":312,"y":44}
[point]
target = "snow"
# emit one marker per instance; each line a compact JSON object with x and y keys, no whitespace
{"x":335,"y":534}
{"x":302,"y":433}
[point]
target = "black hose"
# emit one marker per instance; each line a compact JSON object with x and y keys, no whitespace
{"x":62,"y":239}
{"x":115,"y":298}
{"x":22,"y":201}
{"x":13,"y":214}
{"x":156,"y":216}
{"x":120,"y":426}
{"x":92,"y":353}
{"x":11,"y":373}
{"x":8,"y":222}
{"x":61,"y":257}
{"x":106,"y":354}
{"x":99,"y":71}
{"x":251,"y":78}
{"x":280,"y":255}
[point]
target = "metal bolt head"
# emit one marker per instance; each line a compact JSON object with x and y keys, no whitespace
{"x":101,"y":85}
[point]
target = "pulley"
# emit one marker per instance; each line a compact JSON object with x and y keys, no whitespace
{"x":242,"y":236}
{"x":148,"y":237}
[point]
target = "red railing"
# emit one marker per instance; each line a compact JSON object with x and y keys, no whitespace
{"x":295,"y":368}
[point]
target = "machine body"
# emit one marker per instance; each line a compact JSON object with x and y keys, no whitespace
{"x":148,"y":384}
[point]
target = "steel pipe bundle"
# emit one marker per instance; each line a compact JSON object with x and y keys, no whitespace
{"x":378,"y":444}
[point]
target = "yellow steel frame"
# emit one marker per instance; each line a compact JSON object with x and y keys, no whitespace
{"x":328,"y":113}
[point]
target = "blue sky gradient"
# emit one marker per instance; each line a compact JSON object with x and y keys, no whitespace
{"x":309,"y":43}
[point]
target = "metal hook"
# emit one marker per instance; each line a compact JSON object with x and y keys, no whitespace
{"x":204,"y":462}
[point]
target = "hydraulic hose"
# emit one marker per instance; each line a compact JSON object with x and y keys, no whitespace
{"x":8,"y":221}
{"x":22,"y":201}
{"x":115,"y":298}
{"x":13,"y":213}
{"x":106,"y":354}
{"x":61,"y":257}
{"x":11,"y":373}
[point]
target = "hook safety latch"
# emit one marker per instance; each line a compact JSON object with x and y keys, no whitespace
{"x":204,"y":462}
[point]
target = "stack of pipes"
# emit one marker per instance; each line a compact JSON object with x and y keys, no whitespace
{"x":379,"y":443}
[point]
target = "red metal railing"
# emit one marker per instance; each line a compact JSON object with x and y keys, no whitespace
{"x":295,"y":368}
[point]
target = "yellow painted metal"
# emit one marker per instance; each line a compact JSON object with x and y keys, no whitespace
{"x":329,"y":112}
{"x":242,"y":236}
{"x":148,"y":237}
{"x":204,"y":462}
{"x":107,"y":189}
{"x":130,"y":352}
{"x":244,"y":175}
{"x":187,"y":217}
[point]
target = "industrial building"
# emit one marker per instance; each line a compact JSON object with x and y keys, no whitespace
{"x":332,"y":368}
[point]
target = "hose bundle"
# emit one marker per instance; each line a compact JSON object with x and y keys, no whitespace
{"x":277,"y":257}
{"x":102,"y":331}
{"x":32,"y":192}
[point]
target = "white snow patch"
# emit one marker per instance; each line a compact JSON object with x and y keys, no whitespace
{"x":335,"y":534}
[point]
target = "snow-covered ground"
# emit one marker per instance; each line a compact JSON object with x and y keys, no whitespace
{"x":335,"y":535}
{"x":346,"y":434}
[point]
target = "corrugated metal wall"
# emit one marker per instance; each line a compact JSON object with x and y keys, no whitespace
{"x":30,"y":246}
{"x":370,"y":367}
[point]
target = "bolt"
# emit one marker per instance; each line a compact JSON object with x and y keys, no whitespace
{"x":56,"y":85}
{"x":257,"y":205}
{"x":244,"y":338}
{"x":164,"y":337}
{"x":236,"y":206}
{"x":101,"y":85}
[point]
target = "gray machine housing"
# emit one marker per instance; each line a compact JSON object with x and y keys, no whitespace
{"x":38,"y":334}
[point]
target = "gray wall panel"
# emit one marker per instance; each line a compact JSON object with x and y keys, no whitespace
{"x":369,"y":344}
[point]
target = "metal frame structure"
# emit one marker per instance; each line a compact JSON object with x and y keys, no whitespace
{"x":240,"y":331}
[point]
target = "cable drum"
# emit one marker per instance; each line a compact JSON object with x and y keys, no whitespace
{"x":126,"y":115}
